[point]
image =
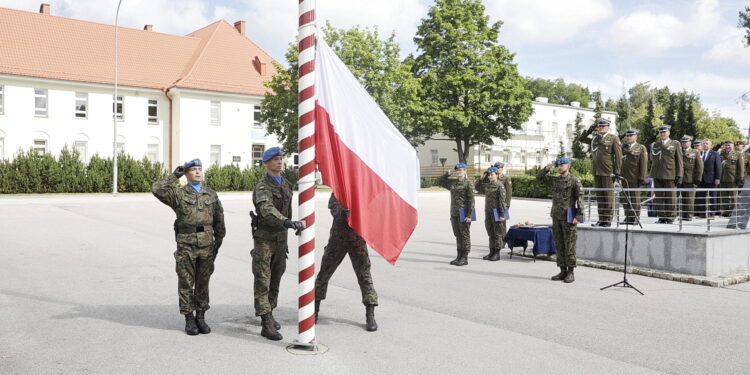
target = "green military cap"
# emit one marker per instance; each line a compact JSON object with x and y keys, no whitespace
{"x":730,"y":142}
{"x":686,"y":138}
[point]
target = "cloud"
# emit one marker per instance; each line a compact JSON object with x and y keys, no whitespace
{"x":650,"y":33}
{"x":547,"y":22}
{"x":729,"y":48}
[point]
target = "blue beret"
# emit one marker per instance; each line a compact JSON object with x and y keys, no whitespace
{"x":491,"y":170}
{"x":193,"y":163}
{"x":602,"y":122}
{"x":562,"y":161}
{"x":271,"y":153}
{"x":460,"y":166}
{"x":499,"y":165}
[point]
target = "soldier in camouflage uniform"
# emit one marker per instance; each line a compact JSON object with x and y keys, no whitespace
{"x":507,"y":183}
{"x":494,"y":204}
{"x":692,"y":174}
{"x":272,"y":198}
{"x":567,"y":192}
{"x":344,"y":240}
{"x":462,"y":198}
{"x":666,"y":171}
{"x":199,"y":232}
{"x":733,"y":173}
{"x":606,"y":157}
{"x":634,"y":169}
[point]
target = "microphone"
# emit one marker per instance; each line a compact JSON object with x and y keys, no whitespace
{"x":615,"y":175}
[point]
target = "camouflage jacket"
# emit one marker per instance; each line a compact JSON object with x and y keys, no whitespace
{"x":273,"y":205}
{"x":634,"y":163}
{"x":200,"y":216}
{"x":732,"y":165}
{"x":494,"y":195}
{"x":508,"y":185}
{"x":666,"y":160}
{"x":462,"y":194}
{"x":693,"y":166}
{"x":341,"y":232}
{"x":606,"y":153}
{"x":567,"y":192}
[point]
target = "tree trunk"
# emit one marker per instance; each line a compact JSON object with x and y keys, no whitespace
{"x":461,"y":152}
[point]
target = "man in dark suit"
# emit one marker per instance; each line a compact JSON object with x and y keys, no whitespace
{"x":711,"y":178}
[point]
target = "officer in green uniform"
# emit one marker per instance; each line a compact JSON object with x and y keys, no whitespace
{"x":199,"y":232}
{"x":567,"y":193}
{"x":462,"y":200}
{"x":634,"y":170}
{"x":692,"y":173}
{"x":494,"y":211}
{"x":666,"y":171}
{"x":733,"y":172}
{"x":739,"y":147}
{"x":344,"y":240}
{"x":606,"y":154}
{"x":272,"y":197}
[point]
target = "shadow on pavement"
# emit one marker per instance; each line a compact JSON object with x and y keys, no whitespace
{"x":496,"y":274}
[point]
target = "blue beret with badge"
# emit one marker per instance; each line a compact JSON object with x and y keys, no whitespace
{"x":271,"y":153}
{"x":193,"y":163}
{"x":460,"y":166}
{"x":562,"y":161}
{"x":491,"y":170}
{"x":499,"y":165}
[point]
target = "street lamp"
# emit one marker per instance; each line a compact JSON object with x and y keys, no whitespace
{"x":114,"y":109}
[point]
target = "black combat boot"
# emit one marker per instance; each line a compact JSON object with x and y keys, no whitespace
{"x":317,"y":309}
{"x":190,"y":327}
{"x":488,"y":256}
{"x":269,"y":331}
{"x":463,"y":259}
{"x":275,"y":323}
{"x":371,"y":325}
{"x":495,"y":256}
{"x":560,"y":276}
{"x":200,"y":320}
{"x":569,"y":278}
{"x":458,"y":256}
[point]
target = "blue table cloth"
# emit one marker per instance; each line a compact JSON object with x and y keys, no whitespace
{"x":544,"y":243}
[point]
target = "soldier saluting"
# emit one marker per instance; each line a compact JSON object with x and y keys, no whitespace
{"x":494,"y":211}
{"x":606,"y":154}
{"x":634,"y":170}
{"x":199,"y":232}
{"x":462,"y":200}
{"x":666,"y":171}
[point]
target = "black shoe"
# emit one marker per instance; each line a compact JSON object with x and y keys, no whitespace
{"x":317,"y":309}
{"x":458,"y":256}
{"x":561,"y":275}
{"x":687,"y":219}
{"x":463,"y":259}
{"x":190,"y":326}
{"x":488,"y":256}
{"x":200,"y":321}
{"x":275,"y":323}
{"x":370,"y":324}
{"x":668,"y":221}
{"x":605,"y":224}
{"x":495,"y":255}
{"x":569,"y":278}
{"x":269,"y":331}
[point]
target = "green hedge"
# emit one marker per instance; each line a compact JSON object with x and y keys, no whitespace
{"x":232,"y":178}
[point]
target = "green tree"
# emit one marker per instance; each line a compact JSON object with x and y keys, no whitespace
{"x":745,"y":23}
{"x":717,"y":128}
{"x":597,"y":98}
{"x":577,"y":148}
{"x":557,"y":91}
{"x":470,"y":88}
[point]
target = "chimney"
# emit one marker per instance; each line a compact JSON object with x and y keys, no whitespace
{"x":148,"y":27}
{"x":44,"y":8}
{"x":259,"y":66}
{"x":240,"y":26}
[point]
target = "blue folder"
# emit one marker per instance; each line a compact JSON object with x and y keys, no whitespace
{"x":496,"y":214}
{"x":462,"y":214}
{"x":572,"y":213}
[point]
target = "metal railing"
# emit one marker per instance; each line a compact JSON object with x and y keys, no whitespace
{"x":695,"y":209}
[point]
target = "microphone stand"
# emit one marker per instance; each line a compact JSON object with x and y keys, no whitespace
{"x":624,"y":283}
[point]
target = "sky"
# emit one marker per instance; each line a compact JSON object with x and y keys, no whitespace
{"x":693,"y":45}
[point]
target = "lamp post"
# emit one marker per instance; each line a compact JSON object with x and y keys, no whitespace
{"x":114,"y":108}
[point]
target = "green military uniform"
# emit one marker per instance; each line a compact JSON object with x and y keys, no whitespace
{"x":462,"y":197}
{"x":691,"y":176}
{"x":494,"y":199}
{"x":199,"y":225}
{"x":273,"y":203}
{"x":567,"y":192}
{"x":634,"y":170}
{"x":344,"y":240}
{"x":733,"y":172}
{"x":666,"y":170}
{"x":606,"y":155}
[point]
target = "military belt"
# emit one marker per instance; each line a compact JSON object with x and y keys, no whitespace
{"x":191,"y":229}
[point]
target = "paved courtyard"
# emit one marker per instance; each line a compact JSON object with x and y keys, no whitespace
{"x":87,"y":285}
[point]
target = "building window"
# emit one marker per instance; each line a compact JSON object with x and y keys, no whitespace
{"x":434,"y":154}
{"x":487,"y":158}
{"x":523,"y":157}
{"x":40,"y":146}
{"x":40,"y":103}
{"x":81,"y":147}
{"x":215,"y":112}
{"x":215,"y":154}
{"x":554,"y":112}
{"x":554,"y":129}
{"x":153,"y":117}
{"x":258,"y":154}
{"x":296,"y":160}
{"x":118,"y":108}
{"x":256,"y":117}
{"x":152,"y":152}
{"x":82,"y":103}
{"x":2,"y":99}
{"x":538,"y":158}
{"x":506,"y":156}
{"x":120,"y":148}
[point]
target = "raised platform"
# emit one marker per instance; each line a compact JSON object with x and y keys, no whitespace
{"x":692,"y":251}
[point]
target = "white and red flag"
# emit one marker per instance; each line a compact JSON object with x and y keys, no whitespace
{"x":371,"y":167}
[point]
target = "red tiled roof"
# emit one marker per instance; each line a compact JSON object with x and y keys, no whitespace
{"x":214,"y":58}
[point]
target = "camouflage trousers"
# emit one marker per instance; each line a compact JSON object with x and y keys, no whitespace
{"x":495,"y":229}
{"x":269,"y":264}
{"x":332,"y":257}
{"x":194,"y":266}
{"x":605,"y":201}
{"x":565,"y":235}
{"x":462,"y":233}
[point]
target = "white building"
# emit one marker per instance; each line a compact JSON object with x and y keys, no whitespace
{"x":179,"y":97}
{"x":536,"y":144}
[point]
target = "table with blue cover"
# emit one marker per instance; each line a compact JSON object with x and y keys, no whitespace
{"x":540,"y":235}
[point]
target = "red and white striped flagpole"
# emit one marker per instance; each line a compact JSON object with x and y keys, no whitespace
{"x":306,"y":260}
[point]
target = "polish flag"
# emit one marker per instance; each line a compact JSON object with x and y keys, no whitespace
{"x":371,"y":167}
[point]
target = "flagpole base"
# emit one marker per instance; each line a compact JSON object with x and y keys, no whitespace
{"x":306,"y":348}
